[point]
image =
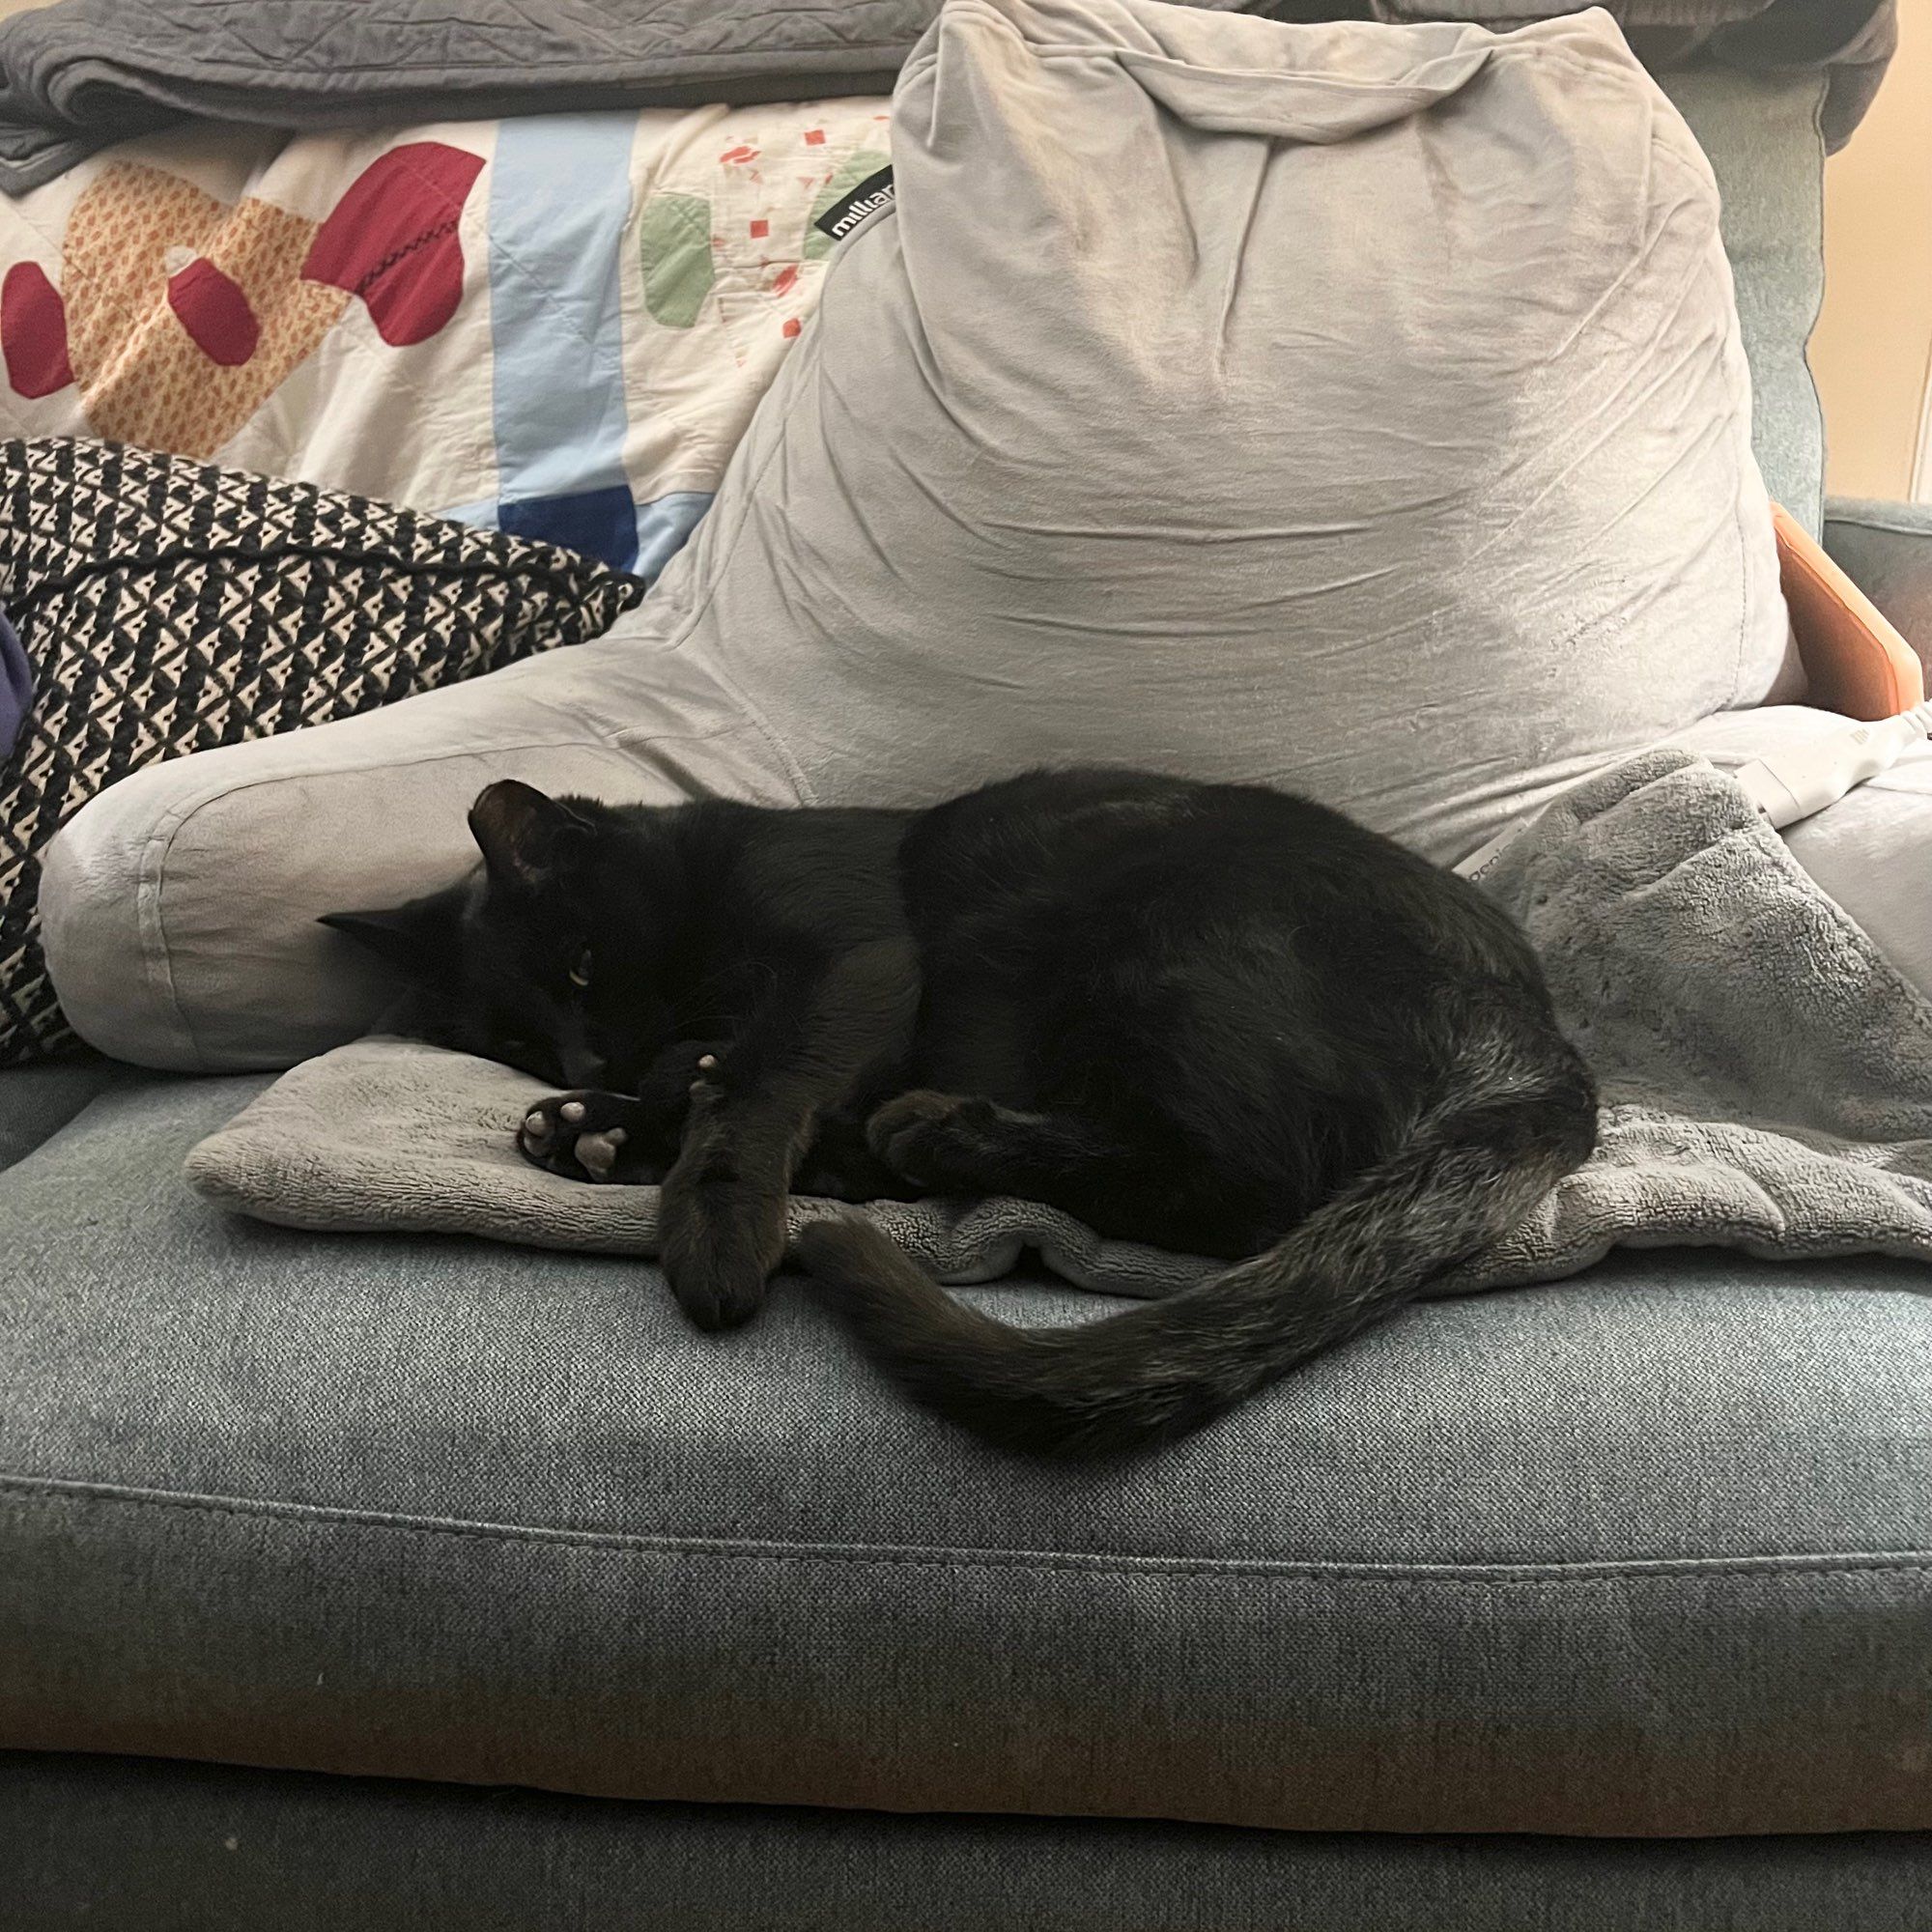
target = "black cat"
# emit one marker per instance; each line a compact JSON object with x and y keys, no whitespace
{"x":1211,"y":1017}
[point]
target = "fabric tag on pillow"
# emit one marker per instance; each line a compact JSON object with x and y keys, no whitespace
{"x":846,"y":213}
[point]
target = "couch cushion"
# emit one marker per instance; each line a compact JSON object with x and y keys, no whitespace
{"x":34,"y":1101}
{"x":119,"y":1842}
{"x":1643,"y":1554}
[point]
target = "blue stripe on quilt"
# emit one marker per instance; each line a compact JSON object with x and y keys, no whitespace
{"x":599,"y":523}
{"x":560,"y":192}
{"x":662,"y":525}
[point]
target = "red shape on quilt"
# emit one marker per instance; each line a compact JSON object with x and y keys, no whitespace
{"x":215,"y":312}
{"x":392,"y":239}
{"x":33,"y":332}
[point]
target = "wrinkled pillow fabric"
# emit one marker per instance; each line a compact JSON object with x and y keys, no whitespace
{"x":169,"y":606}
{"x":1353,"y":407}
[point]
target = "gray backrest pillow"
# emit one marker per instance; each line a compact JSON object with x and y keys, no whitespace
{"x":1354,"y":408}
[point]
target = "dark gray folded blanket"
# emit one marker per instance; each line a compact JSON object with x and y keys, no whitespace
{"x":80,"y":74}
{"x":1766,"y":1080}
{"x":75,"y":76}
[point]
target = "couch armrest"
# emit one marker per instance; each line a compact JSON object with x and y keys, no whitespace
{"x":1885,"y":548}
{"x":1856,"y":660}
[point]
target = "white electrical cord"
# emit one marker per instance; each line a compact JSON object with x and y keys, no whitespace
{"x":1790,"y":785}
{"x":1793,"y":785}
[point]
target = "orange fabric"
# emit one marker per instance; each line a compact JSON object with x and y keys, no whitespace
{"x":1854,"y":661}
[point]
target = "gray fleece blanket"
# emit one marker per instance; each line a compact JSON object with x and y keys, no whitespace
{"x":80,"y":74}
{"x":1767,"y":1081}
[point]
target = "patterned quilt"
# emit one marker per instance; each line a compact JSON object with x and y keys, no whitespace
{"x":556,"y":326}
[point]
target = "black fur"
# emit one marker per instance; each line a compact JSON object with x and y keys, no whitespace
{"x":1211,"y":1017}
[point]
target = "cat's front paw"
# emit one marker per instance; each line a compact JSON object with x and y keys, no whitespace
{"x":721,"y":1241}
{"x":669,"y":1084}
{"x":589,"y":1136}
{"x":924,"y":1135}
{"x":707,"y":1086}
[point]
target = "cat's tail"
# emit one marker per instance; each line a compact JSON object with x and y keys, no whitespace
{"x":1473,"y":1165}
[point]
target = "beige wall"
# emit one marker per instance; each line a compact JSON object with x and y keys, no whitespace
{"x":1872,"y":351}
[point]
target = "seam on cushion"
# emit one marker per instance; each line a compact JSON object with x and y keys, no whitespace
{"x":1741,"y":433}
{"x":151,"y":879}
{"x":1487,"y":38}
{"x":63,"y":1490}
{"x":1821,"y":489}
{"x":1741,"y":535}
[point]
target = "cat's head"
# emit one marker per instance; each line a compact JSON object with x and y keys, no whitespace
{"x":545,"y":956}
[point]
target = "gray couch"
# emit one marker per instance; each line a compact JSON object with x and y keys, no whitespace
{"x":370,"y":1583}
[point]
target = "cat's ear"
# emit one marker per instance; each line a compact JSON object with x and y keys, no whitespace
{"x":526,"y":837}
{"x":422,"y":938}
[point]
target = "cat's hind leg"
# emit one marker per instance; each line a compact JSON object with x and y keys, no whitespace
{"x":1157,"y":1190}
{"x":967,"y":1144}
{"x":840,"y":1166}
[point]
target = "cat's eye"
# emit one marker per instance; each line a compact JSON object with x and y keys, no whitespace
{"x":580,"y":973}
